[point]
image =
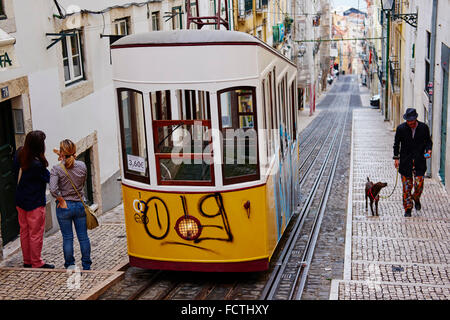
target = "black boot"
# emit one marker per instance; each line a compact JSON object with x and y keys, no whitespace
{"x":417,"y":205}
{"x":408,"y":213}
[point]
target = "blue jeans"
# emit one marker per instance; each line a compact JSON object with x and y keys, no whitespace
{"x":74,"y":213}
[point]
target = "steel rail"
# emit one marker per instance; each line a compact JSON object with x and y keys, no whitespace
{"x":269,"y":290}
{"x":311,"y":153}
{"x":302,"y":272}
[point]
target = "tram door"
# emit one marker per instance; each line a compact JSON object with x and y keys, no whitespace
{"x":8,"y":212}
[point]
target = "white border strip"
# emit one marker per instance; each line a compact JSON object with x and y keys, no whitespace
{"x":334,"y":292}
{"x":348,"y":235}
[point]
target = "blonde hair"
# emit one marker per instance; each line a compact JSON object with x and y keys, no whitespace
{"x":67,"y":150}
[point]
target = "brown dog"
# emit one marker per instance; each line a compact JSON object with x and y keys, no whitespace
{"x":373,"y":193}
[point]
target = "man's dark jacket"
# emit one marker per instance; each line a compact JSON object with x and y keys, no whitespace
{"x":408,"y":149}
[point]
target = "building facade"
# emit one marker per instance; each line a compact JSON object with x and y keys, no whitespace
{"x":56,"y":76}
{"x":416,"y":35}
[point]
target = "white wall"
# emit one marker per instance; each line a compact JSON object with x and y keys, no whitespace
{"x":43,"y":68}
{"x":442,"y":36}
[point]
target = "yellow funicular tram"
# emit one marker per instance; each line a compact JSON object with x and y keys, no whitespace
{"x":209,"y":148}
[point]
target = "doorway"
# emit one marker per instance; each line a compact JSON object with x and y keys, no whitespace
{"x":8,"y":212}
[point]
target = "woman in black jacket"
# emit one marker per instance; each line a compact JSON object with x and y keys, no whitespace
{"x":412,"y":146}
{"x":33,"y":176}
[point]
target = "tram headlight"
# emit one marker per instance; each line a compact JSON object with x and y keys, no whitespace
{"x":188,"y":228}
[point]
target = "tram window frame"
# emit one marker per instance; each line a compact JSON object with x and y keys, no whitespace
{"x":276,"y":108}
{"x":269,"y":112}
{"x":236,"y":114}
{"x":265,"y":121}
{"x":287,"y":110}
{"x":129,"y":175}
{"x":282,"y":116}
{"x":192,"y":107}
{"x":294,"y":111}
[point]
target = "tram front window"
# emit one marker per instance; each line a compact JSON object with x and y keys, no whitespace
{"x":239,"y":134}
{"x":132,"y":131}
{"x":182,"y":137}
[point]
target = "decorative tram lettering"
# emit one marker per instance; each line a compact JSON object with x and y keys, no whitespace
{"x":155,"y":216}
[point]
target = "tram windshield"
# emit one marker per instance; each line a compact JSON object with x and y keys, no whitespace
{"x":182,"y":137}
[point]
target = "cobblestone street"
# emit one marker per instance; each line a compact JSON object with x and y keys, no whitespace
{"x":109,"y":254}
{"x":390,"y":256}
{"x":358,"y":257}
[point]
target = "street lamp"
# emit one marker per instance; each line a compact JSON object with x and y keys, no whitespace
{"x":387,"y":4}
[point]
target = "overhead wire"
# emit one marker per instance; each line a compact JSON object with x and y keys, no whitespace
{"x":64,"y":14}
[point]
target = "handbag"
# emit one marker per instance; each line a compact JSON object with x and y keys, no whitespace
{"x":91,"y":219}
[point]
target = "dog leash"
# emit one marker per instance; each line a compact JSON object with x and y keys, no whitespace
{"x":396,"y":181}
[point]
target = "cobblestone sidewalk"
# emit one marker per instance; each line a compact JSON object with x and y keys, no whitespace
{"x":108,"y":254}
{"x":390,"y":256}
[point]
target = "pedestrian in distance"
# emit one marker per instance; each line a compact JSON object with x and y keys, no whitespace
{"x":32,"y":176}
{"x":67,"y":180}
{"x":412,"y":146}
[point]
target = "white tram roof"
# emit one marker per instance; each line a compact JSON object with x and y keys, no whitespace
{"x":186,"y":37}
{"x":196,"y":60}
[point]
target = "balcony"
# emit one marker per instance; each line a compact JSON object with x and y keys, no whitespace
{"x":261,"y":6}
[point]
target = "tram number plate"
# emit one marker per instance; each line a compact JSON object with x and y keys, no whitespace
{"x":136,"y":163}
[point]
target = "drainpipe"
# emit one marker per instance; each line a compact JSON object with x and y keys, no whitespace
{"x":386,"y":90}
{"x":254,"y":16}
{"x":431,"y":76}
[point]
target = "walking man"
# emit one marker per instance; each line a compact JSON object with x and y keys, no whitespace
{"x":412,"y":146}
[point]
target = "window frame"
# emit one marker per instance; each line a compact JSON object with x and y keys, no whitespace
{"x":427,"y":63}
{"x":118,"y":22}
{"x":2,"y":10}
{"x":156,"y":18}
{"x":157,"y":123}
{"x":68,"y":47}
{"x":177,"y":14}
{"x":250,"y":177}
{"x":127,"y":175}
{"x":294,"y":110}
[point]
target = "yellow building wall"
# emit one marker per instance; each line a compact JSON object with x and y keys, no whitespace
{"x":263,"y":18}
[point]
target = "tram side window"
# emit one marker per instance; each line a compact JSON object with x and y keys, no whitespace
{"x":265,"y":120}
{"x":272,"y":115}
{"x":282,"y":115}
{"x":132,"y":131}
{"x":294,"y":111}
{"x":182,"y":139}
{"x":239,"y":134}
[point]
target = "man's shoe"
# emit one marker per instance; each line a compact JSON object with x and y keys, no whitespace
{"x":417,"y":205}
{"x":47,"y":266}
{"x":408,"y":213}
{"x":25,"y":265}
